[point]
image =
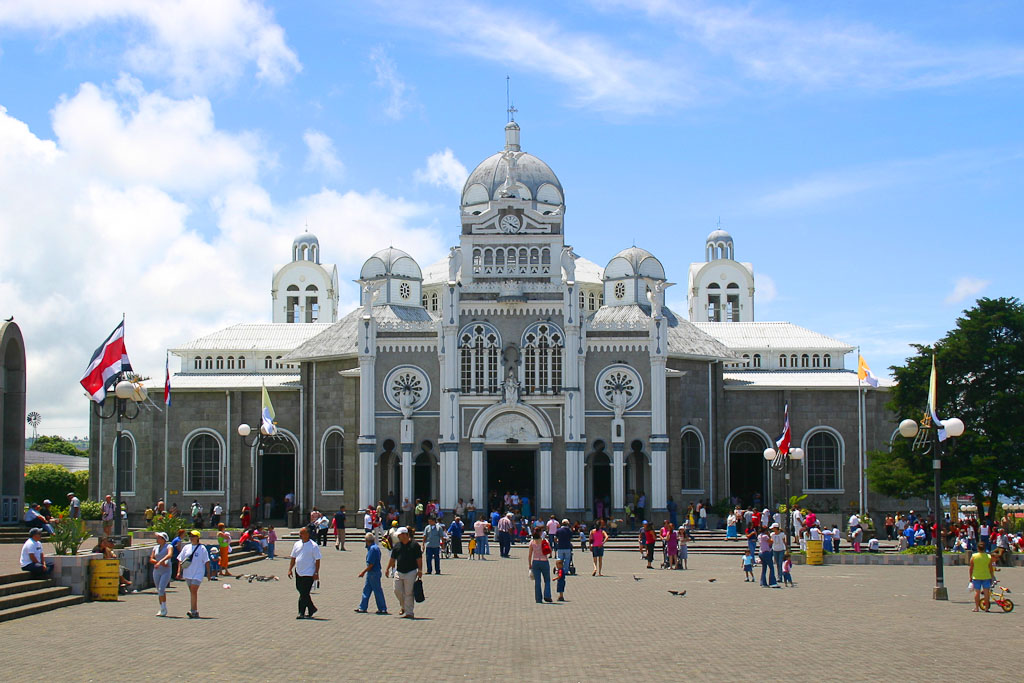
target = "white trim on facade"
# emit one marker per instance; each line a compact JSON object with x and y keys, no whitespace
{"x":333,"y":429}
{"x":703,"y":456}
{"x":135,"y":460}
{"x":839,"y":465}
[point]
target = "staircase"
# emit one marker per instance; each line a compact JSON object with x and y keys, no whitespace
{"x":21,"y":596}
{"x":15,"y":534}
{"x":710,"y":542}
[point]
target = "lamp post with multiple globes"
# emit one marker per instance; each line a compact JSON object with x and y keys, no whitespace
{"x":125,"y":406}
{"x":780,"y":462}
{"x":926,"y":441}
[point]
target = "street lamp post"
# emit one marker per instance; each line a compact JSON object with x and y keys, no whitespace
{"x":127,"y":395}
{"x":926,"y":441}
{"x":258,"y":439}
{"x":780,"y":462}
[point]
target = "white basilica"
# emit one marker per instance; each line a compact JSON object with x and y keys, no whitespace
{"x":513,"y":364}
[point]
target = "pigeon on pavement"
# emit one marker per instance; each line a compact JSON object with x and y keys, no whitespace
{"x":679,"y":593}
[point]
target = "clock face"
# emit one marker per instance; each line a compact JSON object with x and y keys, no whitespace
{"x":509,"y":223}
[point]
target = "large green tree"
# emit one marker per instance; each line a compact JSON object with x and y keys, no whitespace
{"x":980,"y":370}
{"x":56,"y":444}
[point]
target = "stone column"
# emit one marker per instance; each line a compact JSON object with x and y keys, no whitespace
{"x":574,"y":483}
{"x":367,"y":420}
{"x":449,"y":426}
{"x":618,"y":476}
{"x":478,"y":474}
{"x":449,"y":475}
{"x":658,"y":495}
{"x":545,"y":476}
{"x":406,"y":484}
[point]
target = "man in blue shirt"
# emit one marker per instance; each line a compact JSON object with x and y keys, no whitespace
{"x":372,"y":574}
{"x":455,"y":533}
{"x":563,"y":544}
{"x":494,"y":518}
{"x":432,"y":537}
{"x":673,"y":511}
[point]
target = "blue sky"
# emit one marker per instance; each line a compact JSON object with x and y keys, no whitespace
{"x":867,"y":158}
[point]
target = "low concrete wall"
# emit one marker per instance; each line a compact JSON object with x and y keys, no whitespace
{"x":72,"y":571}
{"x":899,"y":559}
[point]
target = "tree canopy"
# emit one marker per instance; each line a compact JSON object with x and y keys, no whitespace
{"x":980,"y":379}
{"x":56,"y":444}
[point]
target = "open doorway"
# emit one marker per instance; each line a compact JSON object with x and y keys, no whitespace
{"x":277,"y":478}
{"x":747,"y":468}
{"x":512,"y":471}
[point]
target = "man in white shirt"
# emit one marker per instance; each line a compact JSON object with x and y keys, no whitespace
{"x":778,"y":547}
{"x":480,"y":534}
{"x":32,"y":560}
{"x":368,"y":521}
{"x":74,"y":506}
{"x":854,"y":521}
{"x":218,"y":511}
{"x":703,"y":521}
{"x":305,"y":564}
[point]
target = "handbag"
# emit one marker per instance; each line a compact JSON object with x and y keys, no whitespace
{"x":417,"y":591}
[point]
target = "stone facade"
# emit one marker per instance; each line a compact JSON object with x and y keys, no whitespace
{"x":512,"y":364}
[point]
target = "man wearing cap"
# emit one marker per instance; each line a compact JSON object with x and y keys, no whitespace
{"x":372,"y":583}
{"x":407,"y":565}
{"x":32,"y":560}
{"x":74,"y":506}
{"x":305,"y":564}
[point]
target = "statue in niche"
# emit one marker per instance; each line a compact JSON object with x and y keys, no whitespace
{"x":619,"y":400}
{"x":569,"y":265}
{"x":511,"y":387}
{"x":454,"y":264}
{"x":407,"y":402}
{"x":510,"y":359}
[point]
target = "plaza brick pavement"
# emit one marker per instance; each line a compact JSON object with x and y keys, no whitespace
{"x":480,"y":623}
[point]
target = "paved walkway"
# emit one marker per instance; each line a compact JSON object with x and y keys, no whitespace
{"x":480,"y":623}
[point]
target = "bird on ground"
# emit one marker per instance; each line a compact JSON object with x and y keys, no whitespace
{"x":679,"y":593}
{"x":636,"y":578}
{"x":712,"y":580}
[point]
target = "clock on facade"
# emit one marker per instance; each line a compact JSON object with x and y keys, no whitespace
{"x":509,"y":223}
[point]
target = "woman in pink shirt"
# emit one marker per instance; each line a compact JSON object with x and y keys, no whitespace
{"x":597,"y":538}
{"x":537,"y":557}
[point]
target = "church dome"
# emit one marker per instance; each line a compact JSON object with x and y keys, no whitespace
{"x":390,"y":262}
{"x":719,"y":236}
{"x":534,"y":179}
{"x":634,"y":262}
{"x":306,"y":247}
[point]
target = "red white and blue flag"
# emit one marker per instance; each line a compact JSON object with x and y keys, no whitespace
{"x":167,"y":380}
{"x":107,"y":363}
{"x":782,"y":445}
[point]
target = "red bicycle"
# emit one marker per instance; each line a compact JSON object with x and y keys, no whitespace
{"x":998,"y":594}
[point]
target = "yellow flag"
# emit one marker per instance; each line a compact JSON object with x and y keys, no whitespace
{"x":864,"y":373}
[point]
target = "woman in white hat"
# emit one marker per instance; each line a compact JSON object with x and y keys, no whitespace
{"x":160,"y":558}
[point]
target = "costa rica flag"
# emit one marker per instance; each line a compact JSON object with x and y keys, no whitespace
{"x":106,"y":364}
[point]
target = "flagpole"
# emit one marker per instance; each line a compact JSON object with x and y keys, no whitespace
{"x":167,"y":423}
{"x":860,"y":439}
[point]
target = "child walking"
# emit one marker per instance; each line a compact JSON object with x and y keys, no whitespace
{"x":787,"y":571}
{"x":748,"y":567}
{"x":271,"y":542}
{"x":472,"y":548}
{"x":560,"y":580}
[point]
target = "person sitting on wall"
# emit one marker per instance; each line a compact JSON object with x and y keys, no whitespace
{"x":34,"y":519}
{"x":32,"y":559}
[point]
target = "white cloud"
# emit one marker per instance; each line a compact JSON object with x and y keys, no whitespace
{"x":597,"y":73}
{"x":966,"y":288}
{"x":194,"y":43}
{"x":817,"y":54}
{"x":443,"y":170}
{"x":766,"y":291}
{"x":321,"y":154}
{"x":398,"y":101}
{"x":92,"y":229}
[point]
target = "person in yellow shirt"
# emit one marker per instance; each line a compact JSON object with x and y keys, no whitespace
{"x":982,"y":566}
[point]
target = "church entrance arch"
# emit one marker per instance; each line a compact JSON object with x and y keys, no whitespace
{"x":425,"y":474}
{"x":599,"y":481}
{"x":389,"y":474}
{"x":276,"y":477}
{"x":637,"y":476}
{"x":747,"y":467}
{"x":512,"y":433}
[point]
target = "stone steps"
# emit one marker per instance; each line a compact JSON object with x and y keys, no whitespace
{"x":21,"y":596}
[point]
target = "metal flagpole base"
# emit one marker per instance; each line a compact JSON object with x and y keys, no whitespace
{"x":940,"y":593}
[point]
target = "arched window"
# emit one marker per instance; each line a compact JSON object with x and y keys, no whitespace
{"x":512,"y":257}
{"x":423,"y":300}
{"x":479,"y":348}
{"x":805,"y":361}
{"x":197,"y":363}
{"x":583,"y":299}
{"x":815,"y":361}
{"x":220,"y":362}
{"x":545,"y":256}
{"x":534,"y":256}
{"x":746,"y":360}
{"x":714,"y":285}
{"x":792,"y":361}
{"x":126,"y":463}
{"x":499,"y":257}
{"x":433,"y":302}
{"x":209,"y":362}
{"x":542,"y":346}
{"x":591,"y":300}
{"x":477,"y":258}
{"x":203,"y":463}
{"x":334,"y":462}
{"x":231,"y":362}
{"x":241,"y":362}
{"x":488,"y":257}
{"x":782,"y":360}
{"x":690,"y":454}
{"x":757,"y":360}
{"x":277,"y":363}
{"x":268,"y":363}
{"x":827,"y":360}
{"x":823,"y":457}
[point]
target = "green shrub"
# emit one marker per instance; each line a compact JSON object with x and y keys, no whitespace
{"x":68,"y":535}
{"x":56,"y":444}
{"x":90,"y":509}
{"x":51,"y":482}
{"x":920,"y":550}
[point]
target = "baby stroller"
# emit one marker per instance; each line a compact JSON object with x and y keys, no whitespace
{"x":571,"y":569}
{"x":446,"y":548}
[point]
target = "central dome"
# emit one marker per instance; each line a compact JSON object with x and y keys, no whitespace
{"x":533,"y":179}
